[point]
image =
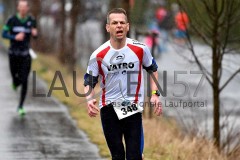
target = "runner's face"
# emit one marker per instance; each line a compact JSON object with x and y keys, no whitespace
{"x":23,"y":8}
{"x":118,"y":26}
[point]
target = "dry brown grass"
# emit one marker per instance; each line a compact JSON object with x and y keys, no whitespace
{"x":163,"y":139}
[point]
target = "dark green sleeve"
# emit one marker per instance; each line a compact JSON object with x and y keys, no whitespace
{"x":6,"y":30}
{"x":8,"y":25}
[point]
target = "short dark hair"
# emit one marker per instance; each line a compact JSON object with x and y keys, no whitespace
{"x":116,"y":10}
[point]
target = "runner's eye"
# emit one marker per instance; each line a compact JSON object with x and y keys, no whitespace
{"x":115,"y":22}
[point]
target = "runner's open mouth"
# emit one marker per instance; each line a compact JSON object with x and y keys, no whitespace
{"x":119,"y":32}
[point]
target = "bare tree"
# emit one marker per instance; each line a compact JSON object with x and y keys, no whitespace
{"x":62,"y":48}
{"x":36,"y":11}
{"x":36,"y":8}
{"x":112,"y":4}
{"x":71,"y":56}
{"x":216,"y":23}
{"x":126,"y":6}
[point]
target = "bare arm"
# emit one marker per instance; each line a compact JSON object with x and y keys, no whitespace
{"x":34,"y":32}
{"x":93,"y":110}
{"x":154,"y":98}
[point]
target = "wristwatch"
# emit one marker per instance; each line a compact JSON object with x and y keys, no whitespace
{"x":156,"y":92}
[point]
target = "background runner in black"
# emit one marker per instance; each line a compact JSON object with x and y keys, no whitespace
{"x":19,"y":29}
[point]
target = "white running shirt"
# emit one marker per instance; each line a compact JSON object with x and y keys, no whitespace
{"x":120,"y":71}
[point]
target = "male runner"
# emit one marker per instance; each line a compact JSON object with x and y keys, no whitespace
{"x":120,"y":62}
{"x":19,"y":29}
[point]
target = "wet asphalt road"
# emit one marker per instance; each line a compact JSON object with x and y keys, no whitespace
{"x":46,"y":133}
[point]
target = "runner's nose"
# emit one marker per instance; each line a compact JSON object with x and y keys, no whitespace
{"x":119,"y":24}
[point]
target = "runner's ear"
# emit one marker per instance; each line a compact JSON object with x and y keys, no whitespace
{"x":127,"y":26}
{"x":107,"y":27}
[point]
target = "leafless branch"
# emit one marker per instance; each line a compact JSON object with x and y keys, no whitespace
{"x":229,"y":79}
{"x":225,"y":43}
{"x":209,"y":10}
{"x":201,"y":35}
{"x":200,"y":65}
{"x":191,"y":48}
{"x":222,"y":8}
{"x":200,"y":21}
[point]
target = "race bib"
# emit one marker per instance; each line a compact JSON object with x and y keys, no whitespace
{"x":125,"y":108}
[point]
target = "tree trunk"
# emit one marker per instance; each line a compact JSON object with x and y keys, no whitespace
{"x":216,"y":115}
{"x":112,"y":4}
{"x":36,"y":11}
{"x":216,"y":98}
{"x":215,"y":76}
{"x":71,"y":56}
{"x":36,"y":8}
{"x":62,"y":49}
{"x":126,"y":6}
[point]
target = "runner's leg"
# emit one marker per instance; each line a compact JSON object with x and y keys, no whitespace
{"x":24,"y":73}
{"x":113,"y":132}
{"x":133,"y":135}
{"x":14,"y":69}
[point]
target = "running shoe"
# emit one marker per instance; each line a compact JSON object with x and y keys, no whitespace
{"x":14,"y":87}
{"x":21,"y":112}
